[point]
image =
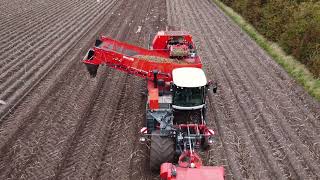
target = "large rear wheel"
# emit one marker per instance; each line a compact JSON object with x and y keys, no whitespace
{"x":161,"y":151}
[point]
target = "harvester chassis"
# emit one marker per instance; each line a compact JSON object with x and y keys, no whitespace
{"x":176,"y":106}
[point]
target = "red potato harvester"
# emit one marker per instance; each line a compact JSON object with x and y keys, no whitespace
{"x":176,"y":106}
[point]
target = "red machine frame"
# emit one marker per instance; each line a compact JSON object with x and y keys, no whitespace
{"x":122,"y":56}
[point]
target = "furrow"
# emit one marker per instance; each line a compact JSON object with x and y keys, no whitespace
{"x":21,"y":67}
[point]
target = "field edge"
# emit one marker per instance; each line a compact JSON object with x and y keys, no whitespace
{"x":294,"y":68}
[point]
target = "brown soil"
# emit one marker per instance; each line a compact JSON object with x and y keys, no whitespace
{"x":58,"y":123}
{"x":62,"y":124}
{"x":268,"y":127}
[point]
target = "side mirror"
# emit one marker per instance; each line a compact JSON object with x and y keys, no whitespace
{"x":214,"y":87}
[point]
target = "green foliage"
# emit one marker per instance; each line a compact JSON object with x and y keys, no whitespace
{"x":302,"y":36}
{"x":275,"y":15}
{"x":314,"y":63}
{"x":292,"y":66}
{"x":294,"y":24}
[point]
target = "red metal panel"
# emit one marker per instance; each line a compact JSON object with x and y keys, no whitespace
{"x":121,"y":56}
{"x":153,"y":96}
{"x":133,"y":65}
{"x":203,"y":173}
{"x":166,"y":171}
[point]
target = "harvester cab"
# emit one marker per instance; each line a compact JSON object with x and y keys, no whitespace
{"x":189,"y":88}
{"x":177,"y":87}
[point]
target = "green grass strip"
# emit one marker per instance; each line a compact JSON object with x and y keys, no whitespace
{"x":297,"y":70}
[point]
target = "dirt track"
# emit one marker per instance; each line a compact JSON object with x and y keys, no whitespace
{"x":268,"y":127}
{"x":68,"y":126}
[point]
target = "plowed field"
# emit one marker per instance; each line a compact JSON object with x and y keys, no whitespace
{"x":58,"y":123}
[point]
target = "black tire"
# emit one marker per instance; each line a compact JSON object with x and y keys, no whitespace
{"x":151,"y":124}
{"x":161,"y":151}
{"x":205,"y":144}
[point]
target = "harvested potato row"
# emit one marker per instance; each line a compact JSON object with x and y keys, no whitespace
{"x":179,"y":52}
{"x":160,"y":59}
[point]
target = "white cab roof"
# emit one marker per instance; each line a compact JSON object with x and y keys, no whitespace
{"x":189,"y":77}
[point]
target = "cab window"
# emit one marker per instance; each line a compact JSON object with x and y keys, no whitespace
{"x":188,"y":97}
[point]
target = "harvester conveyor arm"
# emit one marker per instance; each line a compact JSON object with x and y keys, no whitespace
{"x":127,"y":58}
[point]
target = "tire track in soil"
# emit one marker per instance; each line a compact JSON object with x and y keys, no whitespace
{"x":97,"y":115}
{"x":78,"y":153}
{"x":307,"y":113}
{"x":17,"y":27}
{"x":297,"y":95}
{"x":34,"y":167}
{"x":24,"y":163}
{"x":44,"y":40}
{"x":33,"y":122}
{"x":109,"y":165}
{"x":41,"y":145}
{"x":246,"y":90}
{"x":225,"y":48}
{"x":81,"y":159}
{"x":127,"y":154}
{"x":208,"y":55}
{"x":139,"y":156}
{"x":292,"y":138}
{"x":16,"y":7}
{"x":59,"y":63}
{"x":27,"y":10}
{"x":29,"y":34}
{"x":35,"y":63}
{"x":73,"y":63}
{"x":42,"y":59}
{"x":179,"y":17}
{"x":287,"y":107}
{"x":235,"y":140}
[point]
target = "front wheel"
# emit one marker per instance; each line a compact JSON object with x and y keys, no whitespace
{"x":161,"y":151}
